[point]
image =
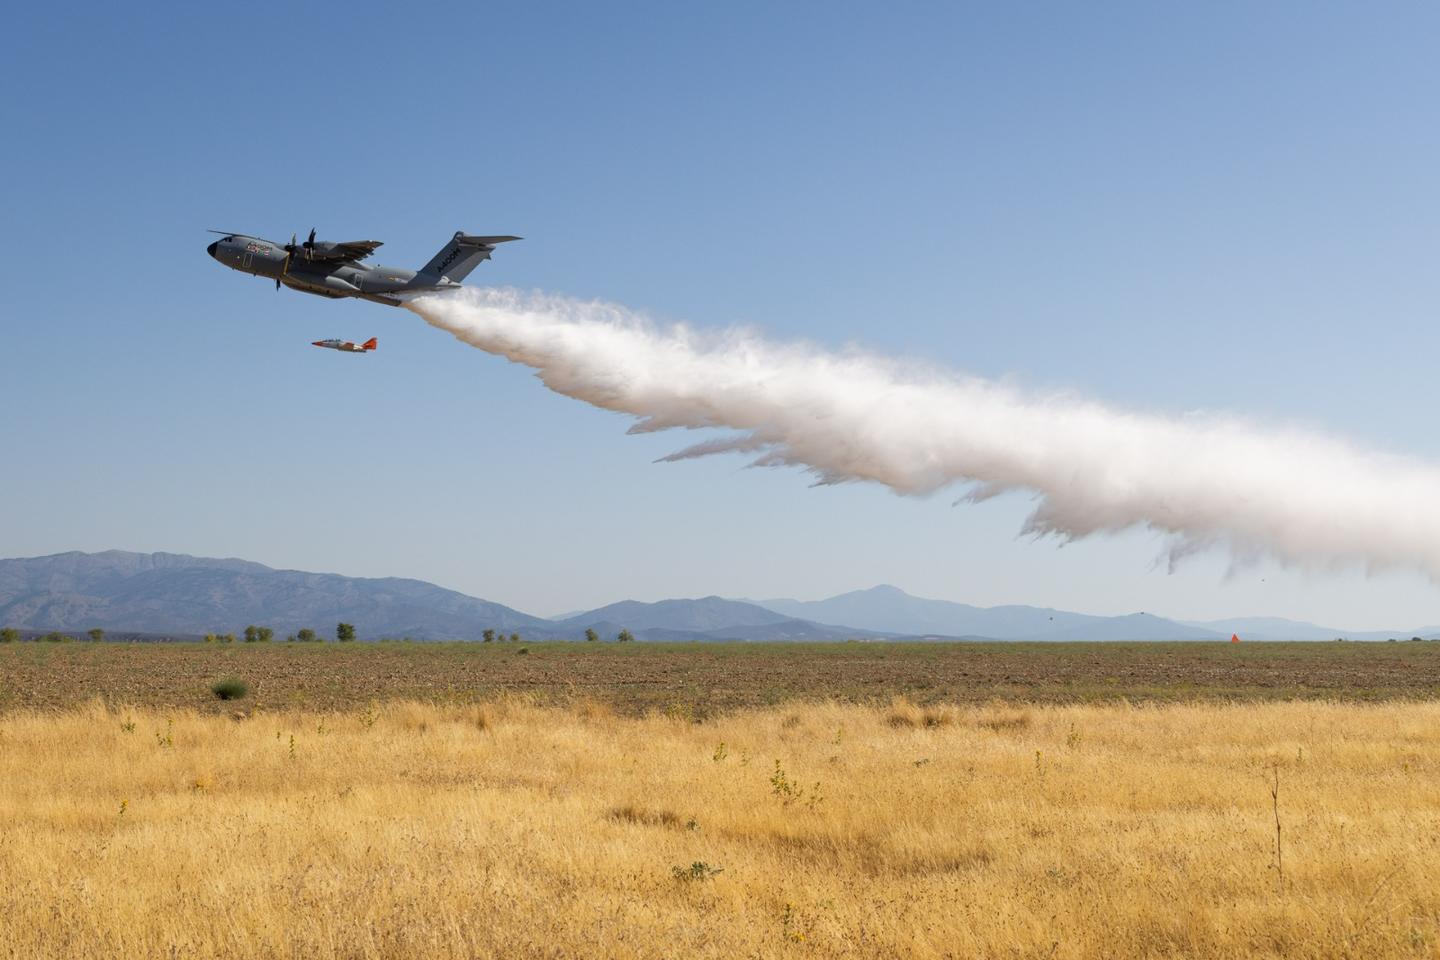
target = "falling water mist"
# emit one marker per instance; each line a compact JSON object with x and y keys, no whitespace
{"x":1205,"y":480}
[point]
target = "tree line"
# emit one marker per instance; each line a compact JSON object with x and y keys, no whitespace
{"x":344,"y":633}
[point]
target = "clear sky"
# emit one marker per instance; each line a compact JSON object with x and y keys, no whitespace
{"x":1227,"y":206}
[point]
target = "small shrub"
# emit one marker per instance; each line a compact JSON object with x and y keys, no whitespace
{"x":789,"y":791}
{"x":229,"y":688}
{"x":697,"y":871}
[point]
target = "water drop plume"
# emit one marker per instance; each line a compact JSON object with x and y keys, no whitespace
{"x":1205,"y":480}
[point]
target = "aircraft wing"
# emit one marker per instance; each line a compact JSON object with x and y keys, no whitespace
{"x":345,"y":250}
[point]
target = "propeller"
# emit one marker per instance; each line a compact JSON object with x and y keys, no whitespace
{"x":285,"y":267}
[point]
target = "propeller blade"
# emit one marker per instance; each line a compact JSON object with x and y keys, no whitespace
{"x":285,"y":267}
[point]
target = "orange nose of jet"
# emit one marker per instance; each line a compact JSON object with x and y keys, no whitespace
{"x":317,"y":343}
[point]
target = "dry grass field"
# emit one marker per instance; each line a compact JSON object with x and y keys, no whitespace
{"x":707,"y":679}
{"x":511,"y":829}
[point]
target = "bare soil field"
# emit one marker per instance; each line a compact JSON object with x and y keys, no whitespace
{"x":704,"y":679}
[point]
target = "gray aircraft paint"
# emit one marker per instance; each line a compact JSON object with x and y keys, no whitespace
{"x":330,"y":269}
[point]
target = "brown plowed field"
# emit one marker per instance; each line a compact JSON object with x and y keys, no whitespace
{"x":703,"y":679}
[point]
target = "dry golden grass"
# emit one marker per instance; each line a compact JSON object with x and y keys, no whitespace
{"x":509,"y":830}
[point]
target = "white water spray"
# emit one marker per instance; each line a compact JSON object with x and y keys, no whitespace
{"x":1305,"y":499}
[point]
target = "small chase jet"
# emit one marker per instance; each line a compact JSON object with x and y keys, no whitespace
{"x":330,"y":269}
{"x":346,"y":346}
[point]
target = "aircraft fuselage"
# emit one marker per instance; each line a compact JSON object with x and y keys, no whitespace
{"x":381,"y":284}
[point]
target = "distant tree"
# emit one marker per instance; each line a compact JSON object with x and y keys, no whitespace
{"x":488,"y":636}
{"x":625,"y":636}
{"x":290,"y":639}
{"x":264,"y":634}
{"x":227,"y":638}
{"x":55,"y":636}
{"x":514,"y":638}
{"x":211,"y":638}
{"x":1416,"y":640}
{"x":252,"y":634}
{"x":344,"y":632}
{"x":9,"y":635}
{"x":95,"y":634}
{"x":590,"y":634}
{"x":306,"y":635}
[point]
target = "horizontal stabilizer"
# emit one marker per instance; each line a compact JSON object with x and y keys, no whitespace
{"x":469,"y":240}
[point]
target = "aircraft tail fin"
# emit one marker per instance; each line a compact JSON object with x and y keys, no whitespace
{"x":461,"y":255}
{"x":371,"y":344}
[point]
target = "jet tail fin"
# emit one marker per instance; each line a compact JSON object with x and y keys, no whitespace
{"x":370,"y":344}
{"x":461,"y":255}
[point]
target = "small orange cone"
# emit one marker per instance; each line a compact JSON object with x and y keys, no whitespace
{"x":1234,"y":638}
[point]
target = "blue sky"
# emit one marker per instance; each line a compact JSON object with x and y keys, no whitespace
{"x":1230,"y":207}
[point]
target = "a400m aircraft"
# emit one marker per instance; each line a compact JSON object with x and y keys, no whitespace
{"x":330,"y":269}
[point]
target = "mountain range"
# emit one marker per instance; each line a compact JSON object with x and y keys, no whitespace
{"x":177,"y":595}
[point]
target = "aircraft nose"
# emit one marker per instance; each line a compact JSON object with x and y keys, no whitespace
{"x":211,"y":249}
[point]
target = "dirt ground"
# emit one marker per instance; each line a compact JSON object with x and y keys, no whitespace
{"x":703,"y":679}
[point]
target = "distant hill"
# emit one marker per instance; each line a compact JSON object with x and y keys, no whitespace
{"x":1134,"y":626}
{"x":902,"y":613}
{"x":166,"y":593}
{"x":1278,"y":628}
{"x":172,"y":595}
{"x":706,"y":613}
{"x":707,"y":618}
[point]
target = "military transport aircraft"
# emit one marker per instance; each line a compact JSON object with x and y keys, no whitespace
{"x":330,"y":269}
{"x":347,"y":346}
